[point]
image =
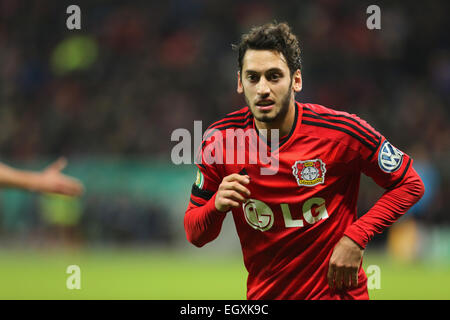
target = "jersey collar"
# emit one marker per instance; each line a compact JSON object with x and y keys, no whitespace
{"x":295,"y":125}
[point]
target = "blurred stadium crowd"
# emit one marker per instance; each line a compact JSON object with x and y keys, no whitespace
{"x":138,"y":70}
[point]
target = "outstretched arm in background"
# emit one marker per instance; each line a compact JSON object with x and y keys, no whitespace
{"x":49,"y":180}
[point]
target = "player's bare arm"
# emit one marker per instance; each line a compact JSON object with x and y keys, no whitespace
{"x":49,"y":180}
{"x":232,"y":192}
{"x":344,"y":264}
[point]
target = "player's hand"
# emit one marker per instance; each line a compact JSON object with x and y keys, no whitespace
{"x":232,"y":192}
{"x":344,"y":264}
{"x":51,"y":180}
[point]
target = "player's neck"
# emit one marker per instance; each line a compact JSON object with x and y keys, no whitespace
{"x":284,"y":124}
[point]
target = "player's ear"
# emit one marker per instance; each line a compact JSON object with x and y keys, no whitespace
{"x":240,"y":89}
{"x":297,"y":81}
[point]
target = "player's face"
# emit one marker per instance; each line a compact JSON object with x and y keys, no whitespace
{"x":267,"y":84}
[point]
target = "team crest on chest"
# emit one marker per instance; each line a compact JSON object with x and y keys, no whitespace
{"x":309,"y":173}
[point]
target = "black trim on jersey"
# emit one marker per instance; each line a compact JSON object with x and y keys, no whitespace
{"x":375,"y":150}
{"x":201,"y":165}
{"x":344,"y":123}
{"x":204,"y":194}
{"x":228,"y":120}
{"x":235,"y":114}
{"x":293,"y":127}
{"x":377,"y":136}
{"x":243,"y":125}
{"x":195,"y":203}
{"x":236,"y":126}
{"x":283,"y":141}
{"x":402,"y":176}
{"x":329,"y":126}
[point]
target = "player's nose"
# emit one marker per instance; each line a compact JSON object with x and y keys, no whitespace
{"x":262,"y":88}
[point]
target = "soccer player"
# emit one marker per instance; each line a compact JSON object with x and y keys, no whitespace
{"x":50,"y":180}
{"x":298,"y":226}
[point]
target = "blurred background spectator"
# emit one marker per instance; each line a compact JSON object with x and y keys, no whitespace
{"x":108,"y":97}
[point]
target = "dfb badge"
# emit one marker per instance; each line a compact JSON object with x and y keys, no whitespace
{"x":200,"y":180}
{"x":309,"y":173}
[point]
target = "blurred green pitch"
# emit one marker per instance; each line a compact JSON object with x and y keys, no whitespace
{"x":150,"y":274}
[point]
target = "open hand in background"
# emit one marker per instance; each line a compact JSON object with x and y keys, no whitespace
{"x":49,"y":180}
{"x":52,"y":180}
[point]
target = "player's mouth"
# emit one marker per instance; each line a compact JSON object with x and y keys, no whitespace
{"x":265,"y":105}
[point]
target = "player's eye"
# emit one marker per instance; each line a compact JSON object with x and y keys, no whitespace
{"x":274,"y":77}
{"x":252,"y":78}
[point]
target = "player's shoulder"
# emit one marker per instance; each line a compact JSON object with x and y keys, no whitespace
{"x":239,"y":119}
{"x":339,"y":125}
{"x":326,"y":112}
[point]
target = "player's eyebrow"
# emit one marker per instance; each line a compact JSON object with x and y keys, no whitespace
{"x":271,"y":70}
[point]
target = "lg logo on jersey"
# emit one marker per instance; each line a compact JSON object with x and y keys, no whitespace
{"x":260,"y":216}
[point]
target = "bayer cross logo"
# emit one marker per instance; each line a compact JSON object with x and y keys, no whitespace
{"x":390,"y":159}
{"x":309,"y":173}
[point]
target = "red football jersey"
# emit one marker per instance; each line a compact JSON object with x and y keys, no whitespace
{"x":295,"y":217}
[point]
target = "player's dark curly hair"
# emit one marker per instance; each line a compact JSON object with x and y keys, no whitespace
{"x":271,"y":36}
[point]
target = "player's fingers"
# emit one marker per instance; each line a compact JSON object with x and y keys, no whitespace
{"x":244,"y":179}
{"x":231,"y":194}
{"x":331,"y":275}
{"x":354,"y":278}
{"x":231,"y":177}
{"x":235,"y":185}
{"x":347,"y":277}
{"x":339,"y":278}
{"x":58,"y":165}
{"x":230,"y":203}
{"x":71,"y":187}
